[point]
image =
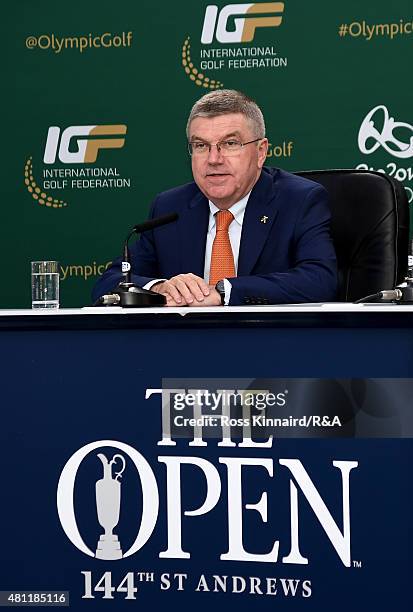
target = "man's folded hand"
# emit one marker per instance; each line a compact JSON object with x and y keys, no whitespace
{"x":183,"y":290}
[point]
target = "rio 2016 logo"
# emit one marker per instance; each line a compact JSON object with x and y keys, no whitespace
{"x":378,"y":130}
{"x":245,"y":27}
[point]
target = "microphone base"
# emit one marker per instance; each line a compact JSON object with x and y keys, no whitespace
{"x":132,"y":296}
{"x":407,"y":292}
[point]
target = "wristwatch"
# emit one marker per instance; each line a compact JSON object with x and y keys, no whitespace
{"x":220,"y":287}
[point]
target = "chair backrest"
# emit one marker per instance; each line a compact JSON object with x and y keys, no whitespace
{"x":370,"y":229}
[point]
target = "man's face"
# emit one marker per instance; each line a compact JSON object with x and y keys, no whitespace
{"x":225,"y":180}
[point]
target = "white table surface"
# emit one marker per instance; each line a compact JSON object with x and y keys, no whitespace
{"x":333,"y":307}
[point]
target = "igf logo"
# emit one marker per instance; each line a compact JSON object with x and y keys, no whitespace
{"x":244,"y":27}
{"x":87,"y":149}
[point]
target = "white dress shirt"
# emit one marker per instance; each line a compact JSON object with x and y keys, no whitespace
{"x":234,"y":231}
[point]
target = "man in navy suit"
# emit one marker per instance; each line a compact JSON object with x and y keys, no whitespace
{"x":277,"y":247}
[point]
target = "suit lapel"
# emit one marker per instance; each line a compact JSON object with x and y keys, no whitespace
{"x":259,"y":217}
{"x":192,"y":230}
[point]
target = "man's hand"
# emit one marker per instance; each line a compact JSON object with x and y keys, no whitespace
{"x":184,"y":290}
{"x":213,"y":299}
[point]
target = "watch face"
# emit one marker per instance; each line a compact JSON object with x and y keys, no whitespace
{"x":220,"y":287}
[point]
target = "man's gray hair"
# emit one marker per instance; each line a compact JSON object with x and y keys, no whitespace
{"x":224,"y":102}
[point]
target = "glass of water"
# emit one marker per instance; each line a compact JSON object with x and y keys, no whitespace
{"x":45,"y":284}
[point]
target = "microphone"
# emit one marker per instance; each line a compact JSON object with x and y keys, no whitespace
{"x":153,"y":223}
{"x":127,"y":294}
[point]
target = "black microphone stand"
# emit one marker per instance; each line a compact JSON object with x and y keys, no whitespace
{"x":130,"y":294}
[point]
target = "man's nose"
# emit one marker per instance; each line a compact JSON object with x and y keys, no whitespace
{"x":214,"y":155}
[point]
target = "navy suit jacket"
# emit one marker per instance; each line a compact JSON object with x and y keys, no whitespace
{"x":288,"y":259}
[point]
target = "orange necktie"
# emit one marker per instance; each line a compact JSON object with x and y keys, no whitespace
{"x":222,"y":258}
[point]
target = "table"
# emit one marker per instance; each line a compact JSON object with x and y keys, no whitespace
{"x":317,"y":518}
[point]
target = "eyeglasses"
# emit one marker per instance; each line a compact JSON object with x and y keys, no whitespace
{"x":229,"y":147}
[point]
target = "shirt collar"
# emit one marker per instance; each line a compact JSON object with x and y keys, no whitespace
{"x":237,"y":209}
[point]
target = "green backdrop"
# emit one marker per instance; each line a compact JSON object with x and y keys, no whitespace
{"x":317,"y":69}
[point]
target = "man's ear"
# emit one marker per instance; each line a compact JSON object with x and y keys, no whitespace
{"x":262,"y":152}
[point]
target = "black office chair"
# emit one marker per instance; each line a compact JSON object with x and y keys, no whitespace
{"x":370,"y":229}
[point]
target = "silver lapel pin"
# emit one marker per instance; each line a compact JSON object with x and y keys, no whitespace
{"x":264,"y":219}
